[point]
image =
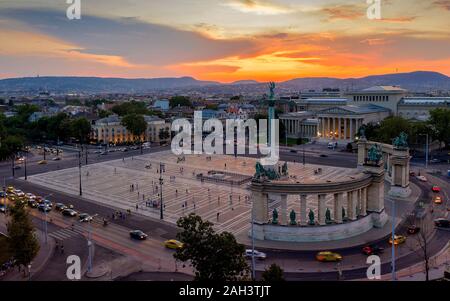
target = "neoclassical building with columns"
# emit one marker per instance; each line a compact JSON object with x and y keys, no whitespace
{"x":321,"y":203}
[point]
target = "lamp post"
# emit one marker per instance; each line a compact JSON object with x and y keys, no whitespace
{"x":393,"y":241}
{"x":25,"y":165}
{"x":45,"y":220}
{"x":79,"y":171}
{"x":253,"y":243}
{"x":161,"y":182}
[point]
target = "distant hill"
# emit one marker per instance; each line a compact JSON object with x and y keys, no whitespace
{"x":98,"y":84}
{"x":419,"y":81}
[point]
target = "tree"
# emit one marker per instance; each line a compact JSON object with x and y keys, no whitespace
{"x":9,"y":147}
{"x":440,"y":124}
{"x":81,"y":129}
{"x":391,"y":127}
{"x":273,"y":274}
{"x":132,"y":107}
{"x":23,"y":242}
{"x":103,"y":113}
{"x":181,"y":101}
{"x":215,"y":257}
{"x":135,"y":124}
{"x":164,"y":134}
{"x":422,"y":246}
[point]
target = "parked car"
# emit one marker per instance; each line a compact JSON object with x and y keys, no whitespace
{"x":372,"y":250}
{"x":69,"y":212}
{"x":60,"y":206}
{"x":85,"y":218}
{"x":56,"y":159}
{"x":442,"y":223}
{"x":2,"y":208}
{"x":47,"y":203}
{"x":413,"y":229}
{"x":173,"y":244}
{"x":42,"y":162}
{"x":258,"y":255}
{"x":327,"y":256}
{"x":44,"y":208}
{"x":32,"y":203}
{"x":138,"y":234}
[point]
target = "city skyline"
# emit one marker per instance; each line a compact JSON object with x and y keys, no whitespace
{"x":223,"y":41}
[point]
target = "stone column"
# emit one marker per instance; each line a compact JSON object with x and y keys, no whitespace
{"x":338,"y":201}
{"x":329,"y":127}
{"x":351,"y":205}
{"x":260,"y":203}
{"x":339,"y":129}
{"x":345,"y":128}
{"x":283,"y":209}
{"x":364,"y":201}
{"x":303,"y":219}
{"x":351,"y":129}
{"x":322,"y":209}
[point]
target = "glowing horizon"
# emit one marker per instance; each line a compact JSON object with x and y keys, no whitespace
{"x":224,"y":41}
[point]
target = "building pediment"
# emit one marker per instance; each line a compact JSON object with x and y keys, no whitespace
{"x":336,"y":111}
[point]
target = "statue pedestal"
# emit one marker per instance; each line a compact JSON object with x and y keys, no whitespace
{"x":400,"y":192}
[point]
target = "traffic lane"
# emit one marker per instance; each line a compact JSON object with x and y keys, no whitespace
{"x":117,"y":238}
{"x":133,"y":221}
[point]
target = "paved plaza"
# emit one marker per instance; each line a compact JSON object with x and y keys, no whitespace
{"x":128,"y":182}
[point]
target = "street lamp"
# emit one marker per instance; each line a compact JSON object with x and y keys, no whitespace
{"x":45,"y":220}
{"x":161,"y":182}
{"x":253,"y":242}
{"x":25,"y":165}
{"x":393,"y":240}
{"x":79,"y":171}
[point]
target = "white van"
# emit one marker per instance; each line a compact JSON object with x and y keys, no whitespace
{"x":332,"y":145}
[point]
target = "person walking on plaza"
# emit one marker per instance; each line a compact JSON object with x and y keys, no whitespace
{"x":137,"y":207}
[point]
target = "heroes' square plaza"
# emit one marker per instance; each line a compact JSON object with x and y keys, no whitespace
{"x":219,"y":188}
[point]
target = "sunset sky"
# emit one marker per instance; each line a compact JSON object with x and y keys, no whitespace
{"x":223,"y":40}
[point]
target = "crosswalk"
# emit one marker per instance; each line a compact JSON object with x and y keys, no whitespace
{"x":65,"y":233}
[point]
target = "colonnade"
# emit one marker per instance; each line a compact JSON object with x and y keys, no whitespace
{"x":344,"y":128}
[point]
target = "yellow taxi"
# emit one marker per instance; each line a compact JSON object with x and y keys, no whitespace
{"x":438,"y":200}
{"x":42,"y":162}
{"x":398,"y":239}
{"x":173,"y":244}
{"x":10,"y":189}
{"x":327,"y":256}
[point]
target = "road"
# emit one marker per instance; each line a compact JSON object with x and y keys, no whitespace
{"x":115,"y":236}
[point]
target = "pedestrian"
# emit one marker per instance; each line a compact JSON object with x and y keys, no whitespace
{"x":62,"y":249}
{"x":218,"y":216}
{"x":56,"y":246}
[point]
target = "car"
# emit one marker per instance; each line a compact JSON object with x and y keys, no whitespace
{"x":138,"y":234}
{"x":328,"y":256}
{"x":30,"y":195}
{"x":436,"y":160}
{"x":124,"y":149}
{"x":372,"y":250}
{"x":44,"y":208}
{"x":47,"y":203}
{"x":10,"y":189}
{"x":413,"y":229}
{"x":42,"y":162}
{"x":69,"y":212}
{"x":85,"y":218}
{"x":422,"y":178}
{"x":97,"y":152}
{"x":103,"y":153}
{"x":32,"y":203}
{"x":438,"y":200}
{"x":258,"y":255}
{"x":412,"y":173}
{"x":293,"y":151}
{"x":332,"y":145}
{"x":56,"y":159}
{"x":19,"y":192}
{"x":3,"y":194}
{"x":436,"y":188}
{"x":442,"y":223}
{"x":323,"y":156}
{"x":173,"y":244}
{"x":60,"y":206}
{"x":398,"y":239}
{"x":17,"y":167}
{"x":2,"y":208}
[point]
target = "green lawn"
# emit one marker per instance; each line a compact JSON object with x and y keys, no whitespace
{"x":4,"y":252}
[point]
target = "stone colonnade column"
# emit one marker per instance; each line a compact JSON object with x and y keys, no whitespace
{"x":321,"y":208}
{"x":364,"y":201}
{"x":338,"y":201}
{"x":283,"y":209}
{"x":261,"y":208}
{"x":303,"y":220}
